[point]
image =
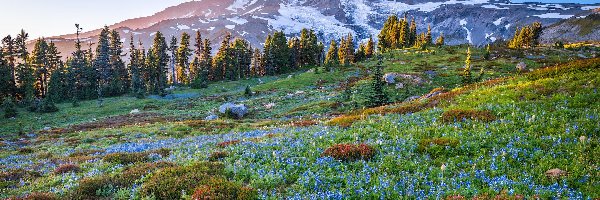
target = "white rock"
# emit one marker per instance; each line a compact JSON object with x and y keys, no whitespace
{"x":135,"y":111}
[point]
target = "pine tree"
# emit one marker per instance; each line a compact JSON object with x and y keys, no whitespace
{"x":9,"y":108}
{"x":360,"y":53}
{"x":221,"y":60}
{"x":377,"y":97}
{"x":256,"y":69}
{"x":295,"y":53}
{"x":24,"y":78}
{"x":342,"y":51}
{"x":39,"y":61}
{"x":138,"y":87}
{"x":183,"y":60}
{"x":9,"y":53}
{"x":349,"y":49}
{"x":241,"y":58}
{"x":369,"y":49}
{"x":280,"y":53}
{"x":487,"y":53}
{"x":6,"y":84}
{"x":102,"y":64}
{"x":440,"y":40}
{"x":173,"y":76}
{"x":159,"y":59}
{"x":248,"y":91}
{"x":412,"y":33}
{"x":199,"y":44}
{"x":466,"y":75}
{"x":121,"y":80}
{"x":58,"y":85}
{"x":331,"y":60}
{"x":206,"y":61}
{"x":267,"y":58}
{"x":428,"y":37}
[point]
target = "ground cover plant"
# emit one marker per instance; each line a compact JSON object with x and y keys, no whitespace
{"x":513,"y":135}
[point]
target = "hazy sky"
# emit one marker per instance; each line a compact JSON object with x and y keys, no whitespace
{"x":58,"y":17}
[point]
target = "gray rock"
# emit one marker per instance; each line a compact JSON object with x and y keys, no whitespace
{"x":409,"y":99}
{"x":47,"y":128}
{"x":399,"y":85}
{"x":211,"y":117}
{"x":135,"y":111}
{"x":521,"y":67}
{"x":238,"y":110}
{"x":582,"y":56}
{"x":390,"y":78}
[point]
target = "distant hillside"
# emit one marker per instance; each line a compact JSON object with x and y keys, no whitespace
{"x":584,"y":28}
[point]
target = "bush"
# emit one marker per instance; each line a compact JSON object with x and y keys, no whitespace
{"x":9,"y":108}
{"x":217,"y":155}
{"x":93,"y":188}
{"x":47,"y":106}
{"x":66,"y":168}
{"x":350,"y":152}
{"x":437,"y":147}
{"x":168,"y":183}
{"x":344,"y":121}
{"x":219,"y":188}
{"x":126,"y":158}
{"x":130,"y":175}
{"x":228,"y":143}
{"x":37,"y":196}
{"x":459,"y":115}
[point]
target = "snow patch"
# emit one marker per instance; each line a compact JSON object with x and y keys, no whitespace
{"x":125,"y":31}
{"x":507,"y":26}
{"x":399,"y":7}
{"x":211,"y":28}
{"x":589,"y":7}
{"x":182,"y":27}
{"x":230,"y":26}
{"x":359,"y":12}
{"x":498,"y":21}
{"x":492,"y":6}
{"x":293,"y":19}
{"x":489,"y":36}
{"x":238,"y":20}
{"x":240,"y":4}
{"x":463,"y":23}
{"x":554,"y":16}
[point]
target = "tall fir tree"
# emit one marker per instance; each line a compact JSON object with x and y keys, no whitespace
{"x":41,"y":66}
{"x":158,"y":57}
{"x":183,"y":60}
{"x":172,"y":78}
{"x":6,"y":84}
{"x":377,"y":96}
{"x":428,"y":37}
{"x":256,"y":69}
{"x":241,"y":58}
{"x":221,"y":61}
{"x":369,"y":48}
{"x":24,"y":79}
{"x":295,"y":52}
{"x":121,"y":79}
{"x":9,"y":51}
{"x":440,"y":40}
{"x":138,"y":87}
{"x":206,"y":61}
{"x":102,"y":64}
{"x":332,"y":58}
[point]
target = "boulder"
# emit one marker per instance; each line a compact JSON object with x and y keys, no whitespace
{"x":239,"y":111}
{"x":47,"y":128}
{"x":211,"y":117}
{"x":409,"y":99}
{"x":135,"y":111}
{"x":555,"y":173}
{"x":521,"y":67}
{"x":390,"y":78}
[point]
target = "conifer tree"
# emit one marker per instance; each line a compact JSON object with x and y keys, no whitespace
{"x":206,"y":62}
{"x":172,"y":78}
{"x":440,"y":40}
{"x":24,"y":78}
{"x":221,"y":60}
{"x":267,"y":57}
{"x":9,"y":108}
{"x":256,"y":69}
{"x":102,"y":64}
{"x":9,"y":53}
{"x":360,"y":53}
{"x":295,"y":53}
{"x":121,"y":79}
{"x":280,"y":53}
{"x":369,"y":48}
{"x":349,"y":49}
{"x":413,"y":33}
{"x":159,"y":59}
{"x":428,"y":37}
{"x":332,"y":58}
{"x":183,"y":60}
{"x":199,"y":44}
{"x":240,"y":58}
{"x":342,"y":51}
{"x":58,"y":85}
{"x":138,"y":88}
{"x":487,"y":53}
{"x":6,"y":83}
{"x":377,"y":97}
{"x":39,"y":61}
{"x":466,"y":75}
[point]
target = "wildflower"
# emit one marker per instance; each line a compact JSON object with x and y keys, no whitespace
{"x":443,"y":167}
{"x":582,"y":139}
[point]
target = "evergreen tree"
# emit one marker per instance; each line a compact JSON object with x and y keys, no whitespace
{"x":349,"y":49}
{"x":42,"y":69}
{"x":102,"y":64}
{"x":172,"y":71}
{"x":206,"y":62}
{"x":24,"y":72}
{"x":121,"y":79}
{"x":466,"y":75}
{"x":428,"y":37}
{"x":183,"y":60}
{"x":487,"y":53}
{"x":9,"y":53}
{"x":267,"y":57}
{"x":412,"y":33}
{"x":331,"y":60}
{"x":199,"y":44}
{"x":221,"y":59}
{"x":256,"y":67}
{"x":59,"y":85}
{"x":360,"y":53}
{"x":248,"y":91}
{"x":342,"y":51}
{"x":295,"y":53}
{"x":280,"y":53}
{"x":6,"y":84}
{"x":369,"y":48}
{"x":241,"y":58}
{"x":377,"y":97}
{"x":440,"y":40}
{"x":138,"y":87}
{"x":159,"y":58}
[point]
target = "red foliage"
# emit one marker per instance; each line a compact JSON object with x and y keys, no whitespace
{"x":66,"y":168}
{"x":350,"y":152}
{"x":228,"y":143}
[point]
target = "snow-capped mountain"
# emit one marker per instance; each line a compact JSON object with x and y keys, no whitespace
{"x":462,"y":21}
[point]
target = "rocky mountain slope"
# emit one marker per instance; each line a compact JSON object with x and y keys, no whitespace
{"x":462,"y":21}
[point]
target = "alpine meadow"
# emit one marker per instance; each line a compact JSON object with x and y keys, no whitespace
{"x":314,"y":99}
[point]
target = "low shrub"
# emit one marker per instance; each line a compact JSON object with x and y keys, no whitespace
{"x":164,"y":152}
{"x":9,"y":108}
{"x":126,"y":158}
{"x":217,"y":155}
{"x":25,"y":150}
{"x":350,"y":152}
{"x":11,"y":177}
{"x":437,"y":147}
{"x":460,"y":114}
{"x":66,"y":168}
{"x":220,"y":188}
{"x":344,"y":121}
{"x":228,"y":143}
{"x":170,"y":182}
{"x":37,"y":196}
{"x":131,"y":174}
{"x":93,"y":188}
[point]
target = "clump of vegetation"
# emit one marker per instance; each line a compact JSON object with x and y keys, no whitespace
{"x":461,"y":114}
{"x":377,"y":97}
{"x":217,"y":155}
{"x":37,"y":196}
{"x":126,"y":158}
{"x":344,"y":121}
{"x":9,"y":108}
{"x":93,"y":188}
{"x":133,"y":173}
{"x":220,"y":188}
{"x":11,"y":177}
{"x":437,"y":147}
{"x":228,"y":143}
{"x":66,"y":168}
{"x":350,"y":152}
{"x":171,"y":182}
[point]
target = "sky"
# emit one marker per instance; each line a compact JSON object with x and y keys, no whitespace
{"x":58,"y":17}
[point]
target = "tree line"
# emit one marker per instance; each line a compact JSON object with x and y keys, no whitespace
{"x":398,"y":33}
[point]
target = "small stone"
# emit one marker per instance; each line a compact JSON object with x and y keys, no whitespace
{"x":409,"y":99}
{"x":521,"y":67}
{"x":555,"y":173}
{"x":211,"y":117}
{"x":135,"y":111}
{"x":399,"y":85}
{"x":47,"y":128}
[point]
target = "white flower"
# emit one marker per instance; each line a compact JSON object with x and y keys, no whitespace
{"x":443,"y":167}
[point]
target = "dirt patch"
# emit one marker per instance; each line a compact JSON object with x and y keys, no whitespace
{"x":113,"y":122}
